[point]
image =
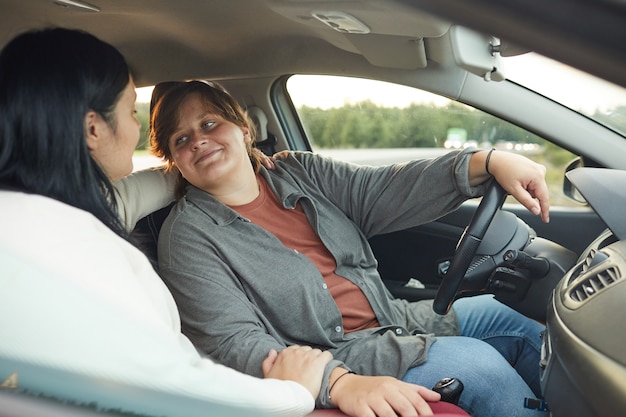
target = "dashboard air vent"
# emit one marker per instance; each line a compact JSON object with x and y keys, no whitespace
{"x":593,"y":284}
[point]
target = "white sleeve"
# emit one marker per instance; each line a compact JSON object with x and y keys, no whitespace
{"x":143,"y":192}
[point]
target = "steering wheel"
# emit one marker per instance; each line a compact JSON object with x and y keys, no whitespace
{"x":468,"y":245}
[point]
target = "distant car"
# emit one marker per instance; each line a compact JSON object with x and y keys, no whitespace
{"x":457,"y":144}
{"x":456,"y":138}
{"x":465,"y":64}
{"x":516,"y":146}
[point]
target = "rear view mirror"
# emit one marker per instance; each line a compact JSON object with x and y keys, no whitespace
{"x":569,"y":190}
{"x":477,"y":53}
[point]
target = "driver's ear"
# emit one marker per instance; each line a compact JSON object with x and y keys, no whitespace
{"x":247,"y":137}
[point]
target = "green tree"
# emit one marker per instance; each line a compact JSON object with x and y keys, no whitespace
{"x":143,"y":115}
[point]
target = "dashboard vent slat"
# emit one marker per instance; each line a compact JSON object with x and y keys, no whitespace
{"x":589,"y":259}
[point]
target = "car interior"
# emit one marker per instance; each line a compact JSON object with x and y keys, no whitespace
{"x":567,"y":273}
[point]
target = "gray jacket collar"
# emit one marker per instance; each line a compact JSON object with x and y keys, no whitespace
{"x":286,"y":192}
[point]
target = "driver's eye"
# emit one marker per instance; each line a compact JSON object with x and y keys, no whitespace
{"x":180,"y":140}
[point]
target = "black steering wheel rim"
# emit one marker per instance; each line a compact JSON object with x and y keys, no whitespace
{"x":468,"y":244}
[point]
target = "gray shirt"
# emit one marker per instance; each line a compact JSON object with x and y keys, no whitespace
{"x":241,"y":292}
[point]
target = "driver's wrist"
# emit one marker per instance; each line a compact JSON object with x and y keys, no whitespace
{"x":488,"y":160}
{"x":479,"y":163}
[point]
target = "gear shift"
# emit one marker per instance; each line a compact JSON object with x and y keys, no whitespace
{"x":450,"y":390}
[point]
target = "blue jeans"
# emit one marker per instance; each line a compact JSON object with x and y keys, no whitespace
{"x":496,"y":357}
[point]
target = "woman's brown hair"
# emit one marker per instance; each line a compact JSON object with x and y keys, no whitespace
{"x":167,"y":99}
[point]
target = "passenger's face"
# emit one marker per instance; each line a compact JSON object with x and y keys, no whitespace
{"x":209,"y":151}
{"x":114,"y":153}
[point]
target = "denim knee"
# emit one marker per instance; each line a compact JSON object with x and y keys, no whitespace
{"x":515,"y":336}
{"x":492,"y":386}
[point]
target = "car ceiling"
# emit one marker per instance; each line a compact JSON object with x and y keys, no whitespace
{"x":241,"y":38}
{"x":237,"y":38}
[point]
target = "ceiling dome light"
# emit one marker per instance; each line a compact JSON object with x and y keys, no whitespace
{"x":341,"y":22}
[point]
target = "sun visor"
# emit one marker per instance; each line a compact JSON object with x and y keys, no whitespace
{"x":368,"y":28}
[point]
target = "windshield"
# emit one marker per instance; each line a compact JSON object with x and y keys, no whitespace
{"x":598,"y":99}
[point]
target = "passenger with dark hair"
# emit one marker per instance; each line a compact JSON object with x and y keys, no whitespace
{"x":75,"y":295}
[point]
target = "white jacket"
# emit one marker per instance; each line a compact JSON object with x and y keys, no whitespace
{"x":74,"y":297}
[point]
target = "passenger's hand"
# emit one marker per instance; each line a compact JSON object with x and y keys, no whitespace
{"x":381,"y":396}
{"x":280,"y":155}
{"x":519,"y":176}
{"x":301,"y":364}
{"x":266,"y":161}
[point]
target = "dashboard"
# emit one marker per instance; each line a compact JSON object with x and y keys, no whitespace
{"x":583,"y":366}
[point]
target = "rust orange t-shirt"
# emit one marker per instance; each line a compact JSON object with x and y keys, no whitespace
{"x":293,"y":229}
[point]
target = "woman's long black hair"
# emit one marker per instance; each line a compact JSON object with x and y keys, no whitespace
{"x":49,"y":80}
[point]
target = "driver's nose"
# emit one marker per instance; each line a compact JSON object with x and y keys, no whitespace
{"x":197,"y":141}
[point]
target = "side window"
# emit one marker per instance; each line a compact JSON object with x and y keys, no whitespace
{"x":375,"y":123}
{"x":143,"y":158}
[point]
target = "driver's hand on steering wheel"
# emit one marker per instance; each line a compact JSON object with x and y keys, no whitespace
{"x":519,"y":176}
